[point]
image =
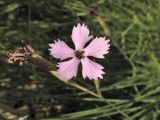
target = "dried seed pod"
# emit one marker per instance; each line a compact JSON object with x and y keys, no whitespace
{"x":20,"y":54}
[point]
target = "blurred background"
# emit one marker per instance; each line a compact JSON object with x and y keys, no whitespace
{"x":131,"y":86}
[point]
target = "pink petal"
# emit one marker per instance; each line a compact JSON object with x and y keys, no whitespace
{"x":68,"y":69}
{"x":80,"y":36}
{"x":60,"y":50}
{"x":97,"y":48}
{"x":91,"y":69}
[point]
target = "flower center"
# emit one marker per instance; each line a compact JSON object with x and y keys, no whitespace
{"x":79,"y":54}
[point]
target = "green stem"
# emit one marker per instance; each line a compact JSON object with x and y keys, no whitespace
{"x":103,"y":25}
{"x":97,"y":85}
{"x":107,"y":32}
{"x":46,"y":65}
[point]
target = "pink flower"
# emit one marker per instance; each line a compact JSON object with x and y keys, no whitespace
{"x":97,"y":48}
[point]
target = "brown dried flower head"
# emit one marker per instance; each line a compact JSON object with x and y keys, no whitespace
{"x":20,"y":54}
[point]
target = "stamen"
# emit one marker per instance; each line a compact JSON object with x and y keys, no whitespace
{"x":79,"y":54}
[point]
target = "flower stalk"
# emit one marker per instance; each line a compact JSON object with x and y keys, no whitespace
{"x":97,"y":85}
{"x":103,"y":25}
{"x":106,"y":29}
{"x":39,"y":61}
{"x":44,"y":64}
{"x":94,"y":11}
{"x":27,"y":53}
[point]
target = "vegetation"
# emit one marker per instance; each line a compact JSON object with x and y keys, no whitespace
{"x":131,"y":87}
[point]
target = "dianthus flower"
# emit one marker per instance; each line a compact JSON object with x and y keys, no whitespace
{"x":97,"y":48}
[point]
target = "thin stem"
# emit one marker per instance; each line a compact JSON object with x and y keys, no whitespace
{"x":74,"y":84}
{"x":103,"y":25}
{"x":107,"y":32}
{"x":97,"y":85}
{"x":90,"y":92}
{"x":42,"y":63}
{"x":46,"y":65}
{"x":117,"y":109}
